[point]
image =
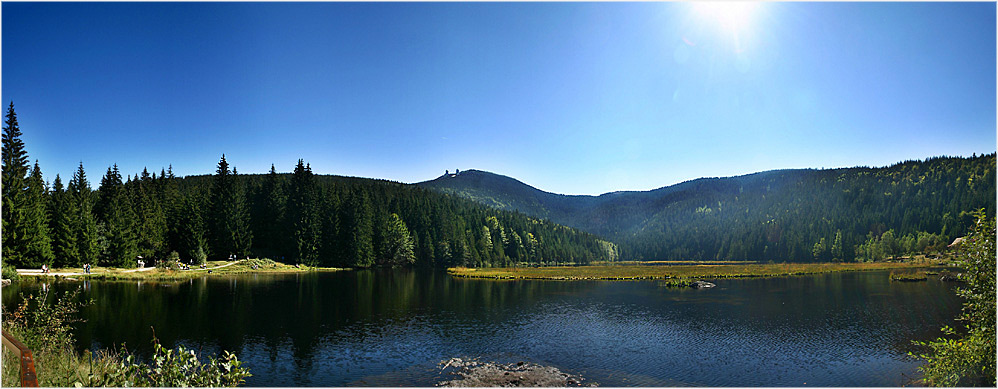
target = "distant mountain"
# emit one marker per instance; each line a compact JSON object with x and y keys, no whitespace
{"x":799,"y":214}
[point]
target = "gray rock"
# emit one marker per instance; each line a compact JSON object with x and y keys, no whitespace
{"x":520,"y":374}
{"x":702,"y":284}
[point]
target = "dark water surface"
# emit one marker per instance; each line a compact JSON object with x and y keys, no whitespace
{"x":391,"y":328}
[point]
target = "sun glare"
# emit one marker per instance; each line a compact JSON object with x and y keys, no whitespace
{"x":732,"y":16}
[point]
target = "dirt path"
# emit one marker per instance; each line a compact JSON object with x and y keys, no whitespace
{"x":38,"y":272}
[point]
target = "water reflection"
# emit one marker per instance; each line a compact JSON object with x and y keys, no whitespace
{"x":390,"y":328}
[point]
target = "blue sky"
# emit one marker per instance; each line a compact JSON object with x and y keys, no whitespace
{"x":577,"y":98}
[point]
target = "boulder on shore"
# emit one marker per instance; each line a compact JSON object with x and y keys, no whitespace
{"x":521,"y":374}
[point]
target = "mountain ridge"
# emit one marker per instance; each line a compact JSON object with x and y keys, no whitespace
{"x":850,"y":204}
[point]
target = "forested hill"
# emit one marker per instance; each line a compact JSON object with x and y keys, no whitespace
{"x":795,"y":215}
{"x":296,"y":217}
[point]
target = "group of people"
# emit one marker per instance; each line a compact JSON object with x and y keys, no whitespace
{"x":46,"y":269}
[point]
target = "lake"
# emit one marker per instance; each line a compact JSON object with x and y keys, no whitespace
{"x":391,"y":328}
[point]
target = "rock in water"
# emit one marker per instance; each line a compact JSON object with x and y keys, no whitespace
{"x":702,"y":284}
{"x":521,"y":374}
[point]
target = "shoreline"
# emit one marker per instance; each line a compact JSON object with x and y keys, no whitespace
{"x":216,"y":268}
{"x":681,"y":272}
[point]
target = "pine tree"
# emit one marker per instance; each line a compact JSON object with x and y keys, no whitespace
{"x":330,"y":243}
{"x":63,"y":225}
{"x":14,"y":174}
{"x":268,"y":216}
{"x":172,"y":203}
{"x":242,"y":235}
{"x":85,"y":223}
{"x":303,"y":215}
{"x":228,"y":220}
{"x":115,"y":212}
{"x":37,"y":244}
{"x":192,"y":241}
{"x":150,"y":223}
{"x":357,"y":231}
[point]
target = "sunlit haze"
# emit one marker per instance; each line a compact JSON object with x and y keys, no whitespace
{"x":576,"y":98}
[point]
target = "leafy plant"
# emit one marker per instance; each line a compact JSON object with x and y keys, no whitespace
{"x":970,"y":360}
{"x":181,"y":367}
{"x":9,"y":272}
{"x":43,"y":324}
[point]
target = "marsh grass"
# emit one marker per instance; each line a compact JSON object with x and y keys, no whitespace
{"x":909,"y":276}
{"x":643,"y":272}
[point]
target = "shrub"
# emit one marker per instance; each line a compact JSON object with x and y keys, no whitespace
{"x":200,"y":257}
{"x":970,"y":360}
{"x":181,"y":367}
{"x":9,"y":272}
{"x":44,"y":327}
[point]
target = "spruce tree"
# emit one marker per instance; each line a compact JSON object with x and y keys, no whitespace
{"x":63,"y":224}
{"x":268,"y":216}
{"x":228,"y":219}
{"x":114,"y":210}
{"x":358,"y":231}
{"x":85,"y":226}
{"x":172,"y":203}
{"x":303,"y":215}
{"x":36,"y":241}
{"x":150,"y":218}
{"x":242,"y":235}
{"x":192,"y":242}
{"x":14,"y":175}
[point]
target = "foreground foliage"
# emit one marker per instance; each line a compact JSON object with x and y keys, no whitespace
{"x":45,"y":328}
{"x":969,"y":360}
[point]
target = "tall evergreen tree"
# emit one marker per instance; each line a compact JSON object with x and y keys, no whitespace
{"x":303,"y":215}
{"x":150,"y":218}
{"x":63,"y":224}
{"x":358,"y":231}
{"x":15,"y":197}
{"x":114,"y":210}
{"x":192,"y":242}
{"x":242,"y":235}
{"x":268,"y":216}
{"x":36,"y":242}
{"x":229,"y":230}
{"x":172,"y":203}
{"x":85,"y":223}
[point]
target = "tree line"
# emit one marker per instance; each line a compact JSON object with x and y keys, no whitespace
{"x":296,"y":217}
{"x":863,"y":214}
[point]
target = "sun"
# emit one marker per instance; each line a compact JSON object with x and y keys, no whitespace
{"x":731,"y":16}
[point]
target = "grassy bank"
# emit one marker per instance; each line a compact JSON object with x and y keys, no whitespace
{"x":645,"y":272}
{"x":45,"y":327}
{"x":214,"y":269}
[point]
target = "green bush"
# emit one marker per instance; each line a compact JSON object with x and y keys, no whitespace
{"x":9,"y":272}
{"x":43,"y":325}
{"x":181,"y":367}
{"x":200,"y":257}
{"x":969,"y":360}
